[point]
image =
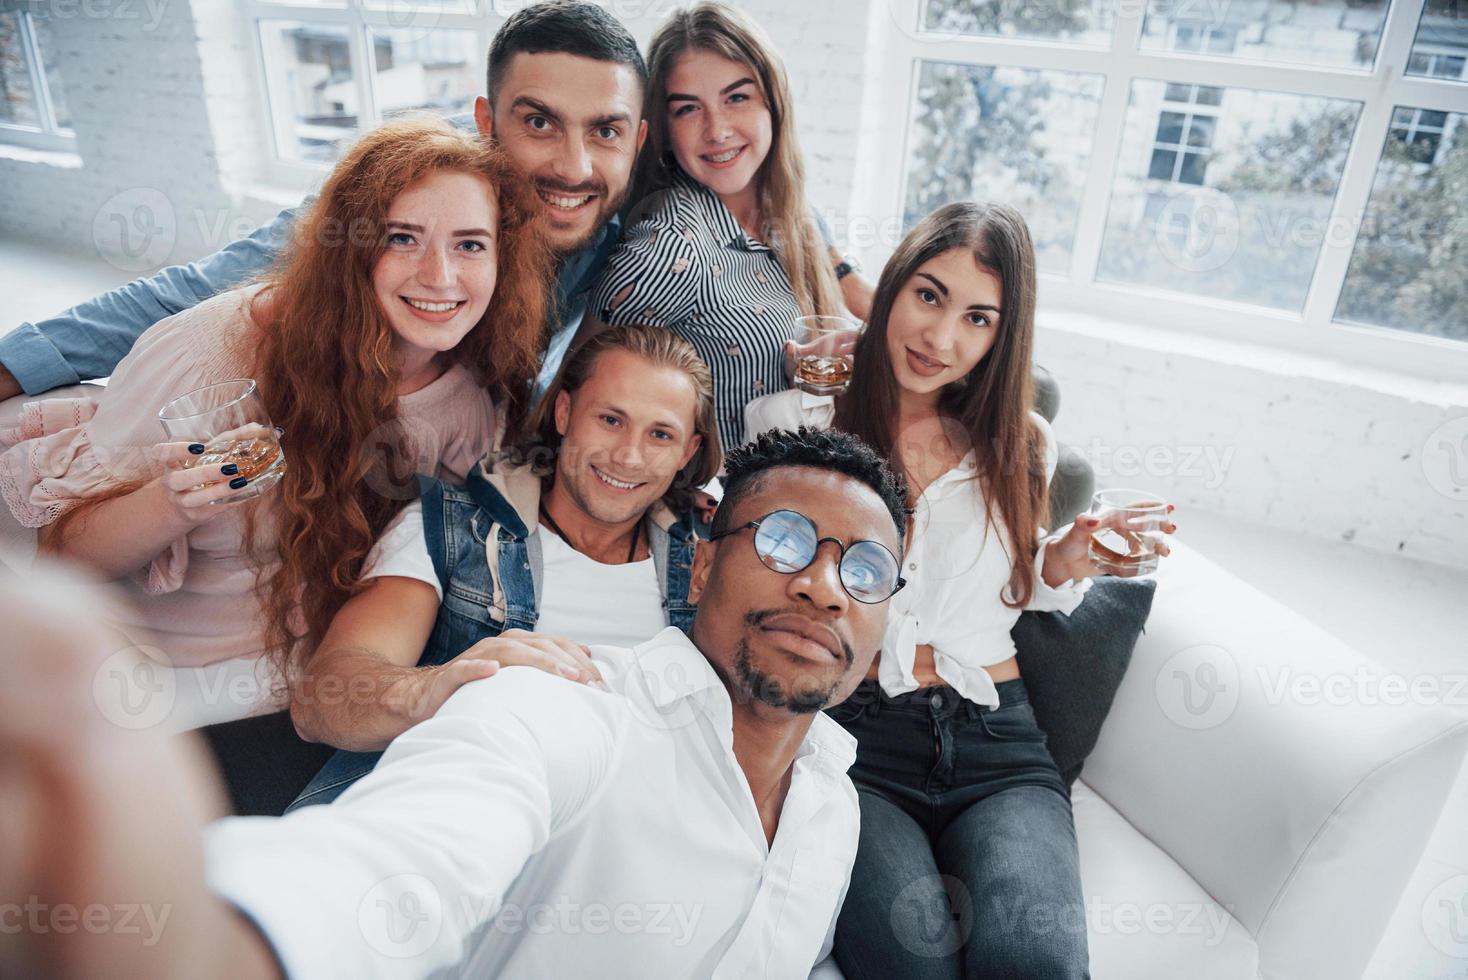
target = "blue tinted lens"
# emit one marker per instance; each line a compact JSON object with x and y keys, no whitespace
{"x":869,"y":572}
{"x":785,"y":541}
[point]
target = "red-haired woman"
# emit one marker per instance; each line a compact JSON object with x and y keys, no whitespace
{"x":407,"y":313}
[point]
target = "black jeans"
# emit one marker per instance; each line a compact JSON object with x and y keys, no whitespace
{"x":967,"y":865}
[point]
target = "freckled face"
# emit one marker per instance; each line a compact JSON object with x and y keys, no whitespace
{"x":437,"y":273}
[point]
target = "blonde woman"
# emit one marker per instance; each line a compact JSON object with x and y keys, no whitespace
{"x":723,"y":247}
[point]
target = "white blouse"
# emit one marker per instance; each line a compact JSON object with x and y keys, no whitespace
{"x":957,"y":568}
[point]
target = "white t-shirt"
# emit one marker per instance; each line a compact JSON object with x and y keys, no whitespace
{"x":582,"y":599}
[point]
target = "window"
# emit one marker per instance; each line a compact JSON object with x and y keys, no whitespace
{"x":1436,"y":64}
{"x":1220,"y":221}
{"x":1240,"y":169}
{"x":1407,"y":271}
{"x":335,"y":68}
{"x":1184,"y":138}
{"x":1024,"y":138}
{"x":1342,"y":33}
{"x":1204,"y":38}
{"x":1441,"y":43}
{"x":1418,"y":131}
{"x":33,"y":109}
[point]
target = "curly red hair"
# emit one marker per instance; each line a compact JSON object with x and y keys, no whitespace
{"x":327,"y":374}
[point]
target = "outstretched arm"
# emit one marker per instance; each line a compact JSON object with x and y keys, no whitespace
{"x":101,"y":824}
{"x":89,"y":339}
{"x":108,"y":817}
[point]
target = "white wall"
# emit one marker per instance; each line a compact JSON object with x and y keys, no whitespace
{"x":167,"y":116}
{"x":1283,"y":440}
{"x":145,"y":183}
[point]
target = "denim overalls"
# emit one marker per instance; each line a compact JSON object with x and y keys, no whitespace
{"x":464,"y":526}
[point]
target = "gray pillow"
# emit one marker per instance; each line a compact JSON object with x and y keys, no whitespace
{"x":1072,"y":665}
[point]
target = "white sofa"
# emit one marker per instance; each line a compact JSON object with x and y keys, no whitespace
{"x":1267,"y":829}
{"x":1242,"y":833}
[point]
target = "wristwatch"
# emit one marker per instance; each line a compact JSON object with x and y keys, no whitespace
{"x":846,"y":267}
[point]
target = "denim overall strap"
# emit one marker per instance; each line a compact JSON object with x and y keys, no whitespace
{"x":456,"y":528}
{"x":672,"y":552}
{"x":519,"y":570}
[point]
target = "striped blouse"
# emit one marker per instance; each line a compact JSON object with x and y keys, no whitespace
{"x":690,"y":267}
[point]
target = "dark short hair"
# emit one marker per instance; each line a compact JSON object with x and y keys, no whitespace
{"x":562,"y":27}
{"x":822,"y":449}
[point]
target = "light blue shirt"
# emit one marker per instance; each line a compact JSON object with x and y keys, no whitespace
{"x":88,"y":340}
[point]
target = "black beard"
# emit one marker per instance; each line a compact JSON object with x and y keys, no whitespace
{"x":761,"y":687}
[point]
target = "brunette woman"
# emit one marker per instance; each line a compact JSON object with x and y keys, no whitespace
{"x":966,"y":825}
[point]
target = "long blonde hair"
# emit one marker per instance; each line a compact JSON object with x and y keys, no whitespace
{"x":727,"y":32}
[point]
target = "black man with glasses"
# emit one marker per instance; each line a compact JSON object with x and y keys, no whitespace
{"x":691,"y":818}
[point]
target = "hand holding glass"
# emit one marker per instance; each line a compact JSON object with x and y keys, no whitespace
{"x":823,"y":360}
{"x":231,"y":423}
{"x":1133,"y":523}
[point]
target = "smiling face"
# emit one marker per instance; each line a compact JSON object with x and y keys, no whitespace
{"x":719,"y":122}
{"x":437,"y":273}
{"x":943,"y":322}
{"x":625,"y":434}
{"x":573,"y":126}
{"x":791,"y":643}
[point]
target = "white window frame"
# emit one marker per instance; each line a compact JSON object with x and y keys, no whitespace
{"x":359,"y":18}
{"x":48,"y":135}
{"x":883,"y":157}
{"x":1190,"y":109}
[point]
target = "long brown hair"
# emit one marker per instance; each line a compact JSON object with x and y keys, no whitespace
{"x":729,"y":33}
{"x":539,"y":441}
{"x":326,"y":369}
{"x":992,"y":402}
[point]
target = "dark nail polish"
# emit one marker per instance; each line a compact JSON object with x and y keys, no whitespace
{"x":197,"y":448}
{"x":238,"y":483}
{"x":229,"y":469}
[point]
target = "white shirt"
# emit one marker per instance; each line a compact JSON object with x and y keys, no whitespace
{"x":538,"y":828}
{"x":580,"y":598}
{"x":957,"y":568}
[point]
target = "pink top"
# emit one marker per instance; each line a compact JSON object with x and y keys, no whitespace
{"x":197,"y":601}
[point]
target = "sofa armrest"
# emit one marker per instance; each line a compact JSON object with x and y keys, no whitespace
{"x":1295,"y":779}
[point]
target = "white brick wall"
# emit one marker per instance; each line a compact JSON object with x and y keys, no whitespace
{"x":1281,"y":440}
{"x":133,"y":82}
{"x":173,"y":108}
